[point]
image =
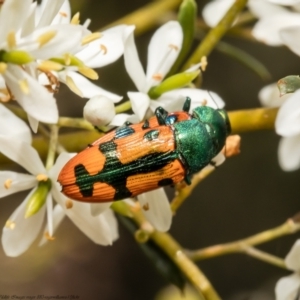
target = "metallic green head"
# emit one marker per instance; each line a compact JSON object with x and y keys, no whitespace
{"x":200,"y":139}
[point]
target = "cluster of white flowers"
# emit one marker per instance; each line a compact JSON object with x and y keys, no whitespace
{"x":40,"y":46}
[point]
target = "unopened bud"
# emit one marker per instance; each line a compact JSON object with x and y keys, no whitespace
{"x":99,"y":111}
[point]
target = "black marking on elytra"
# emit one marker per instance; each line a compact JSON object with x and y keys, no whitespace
{"x":151,"y":135}
{"x":90,"y":145}
{"x":165,"y":181}
{"x":145,"y":125}
{"x":187,"y":104}
{"x":123,"y":131}
{"x":115,"y":174}
{"x":170,"y":120}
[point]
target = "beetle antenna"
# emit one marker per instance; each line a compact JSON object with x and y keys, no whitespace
{"x":212,"y":98}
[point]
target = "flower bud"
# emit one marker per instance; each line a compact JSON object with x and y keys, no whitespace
{"x":99,"y":110}
{"x":174,"y":82}
{"x":17,"y":57}
{"x":38,"y":198}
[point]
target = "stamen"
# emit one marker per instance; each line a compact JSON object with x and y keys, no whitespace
{"x":69,"y":204}
{"x":11,"y":40}
{"x":41,"y":177}
{"x":172,"y":46}
{"x":75,"y":20}
{"x":88,"y":72}
{"x":3,"y":67}
{"x":7,"y":183}
{"x":103,"y":48}
{"x":63,"y":14}
{"x":91,"y":37}
{"x":146,"y":206}
{"x":23,"y":84}
{"x":72,"y":86}
{"x":46,"y":37}
{"x":48,"y":65}
{"x":203,"y":63}
{"x":5,"y":95}
{"x":48,"y":236}
{"x":10,"y":224}
{"x":67,"y":58}
{"x":157,"y":76}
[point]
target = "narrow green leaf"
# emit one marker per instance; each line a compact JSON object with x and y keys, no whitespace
{"x":288,"y":84}
{"x":245,"y":58}
{"x":187,"y":18}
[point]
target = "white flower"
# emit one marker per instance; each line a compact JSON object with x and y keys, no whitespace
{"x":163,"y":50}
{"x":19,"y":232}
{"x":12,"y":126}
{"x":288,"y":126}
{"x":287,"y":288}
{"x":156,"y":208}
{"x":274,"y":21}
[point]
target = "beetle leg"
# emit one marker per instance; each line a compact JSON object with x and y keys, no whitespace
{"x":187,"y":179}
{"x":187,"y":104}
{"x":161,"y":115}
{"x":146,"y":124}
{"x":127,"y":123}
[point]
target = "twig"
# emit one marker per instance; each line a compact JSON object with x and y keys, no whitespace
{"x":289,"y":227}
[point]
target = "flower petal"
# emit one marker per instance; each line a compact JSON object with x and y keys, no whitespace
{"x":13,"y":126}
{"x":287,"y":287}
{"x":23,"y":154}
{"x":86,"y":87}
{"x":34,"y":123}
{"x":292,"y":260}
{"x":37,"y":101}
{"x":107,"y":49}
{"x":17,"y":11}
{"x":98,"y":208}
{"x":269,"y":96}
{"x":163,"y":50}
{"x":58,"y":45}
{"x":58,"y":215}
{"x":19,"y":233}
{"x":268,"y":29}
{"x":12,"y":182}
{"x":289,"y":153}
{"x":262,"y":9}
{"x":133,"y":64}
{"x":288,"y":118}
{"x":199,"y":97}
{"x":156,"y":209}
{"x":49,"y":9}
{"x":290,"y":37}
{"x":214,"y":11}
{"x":139,"y":103}
{"x":120,"y":119}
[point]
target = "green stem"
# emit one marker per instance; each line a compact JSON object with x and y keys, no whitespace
{"x":266,"y":257}
{"x":166,"y":242}
{"x":215,"y":34}
{"x":140,"y":17}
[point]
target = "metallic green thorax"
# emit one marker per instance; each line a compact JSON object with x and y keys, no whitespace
{"x":200,"y":139}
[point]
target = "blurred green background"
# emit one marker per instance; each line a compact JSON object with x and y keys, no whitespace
{"x":246,"y":195}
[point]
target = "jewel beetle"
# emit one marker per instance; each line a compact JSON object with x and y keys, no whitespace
{"x":136,"y":158}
